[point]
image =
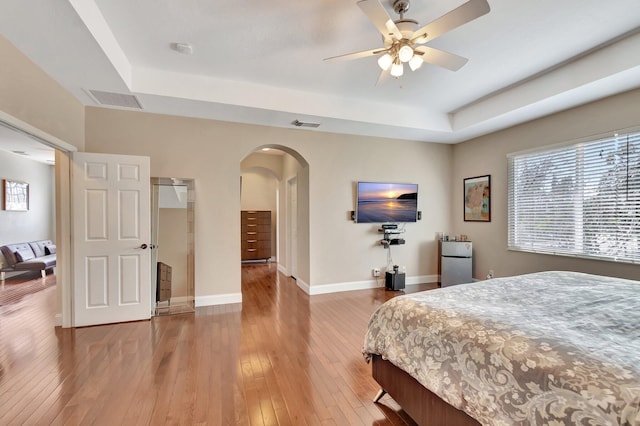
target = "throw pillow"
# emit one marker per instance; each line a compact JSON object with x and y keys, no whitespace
{"x":50,"y":249}
{"x":24,"y":254}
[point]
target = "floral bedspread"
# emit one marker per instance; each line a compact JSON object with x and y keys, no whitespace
{"x":550,"y":348}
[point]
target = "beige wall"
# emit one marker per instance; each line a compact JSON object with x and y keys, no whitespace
{"x":487,"y":155}
{"x":346,"y":251}
{"x":336,"y":250}
{"x":259,"y":160}
{"x":259,"y":188}
{"x":29,"y":94}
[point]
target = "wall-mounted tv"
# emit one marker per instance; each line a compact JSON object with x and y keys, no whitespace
{"x":386,"y":202}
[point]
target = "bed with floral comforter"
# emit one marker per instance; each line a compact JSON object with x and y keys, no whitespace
{"x":549,"y":348}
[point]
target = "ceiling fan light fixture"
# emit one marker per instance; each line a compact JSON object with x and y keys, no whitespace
{"x":405,"y":53}
{"x":415,"y":62}
{"x":397,"y":69}
{"x":385,"y":61}
{"x":402,"y":39}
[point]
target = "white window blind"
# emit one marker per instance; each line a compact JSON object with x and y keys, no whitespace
{"x":578,"y":200}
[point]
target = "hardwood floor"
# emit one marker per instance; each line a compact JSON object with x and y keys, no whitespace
{"x":15,"y":288}
{"x":282,"y":358}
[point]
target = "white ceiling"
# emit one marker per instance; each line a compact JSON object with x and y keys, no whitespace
{"x":22,"y":145}
{"x":262,"y":61}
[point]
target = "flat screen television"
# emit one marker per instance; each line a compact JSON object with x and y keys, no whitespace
{"x":386,"y":202}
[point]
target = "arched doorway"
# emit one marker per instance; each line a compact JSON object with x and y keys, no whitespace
{"x":269,"y":174}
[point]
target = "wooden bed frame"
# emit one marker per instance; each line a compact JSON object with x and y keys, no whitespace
{"x":422,"y":405}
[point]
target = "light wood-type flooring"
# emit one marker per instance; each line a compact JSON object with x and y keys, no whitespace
{"x":282,"y":358}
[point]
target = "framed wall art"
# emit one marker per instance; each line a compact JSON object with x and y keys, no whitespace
{"x":15,"y":195}
{"x":477,"y":199}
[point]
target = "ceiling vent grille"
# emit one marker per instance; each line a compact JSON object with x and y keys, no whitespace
{"x":298,"y":123}
{"x":115,"y":99}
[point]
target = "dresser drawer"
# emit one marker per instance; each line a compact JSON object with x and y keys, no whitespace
{"x":256,"y":217}
{"x":254,"y":227}
{"x":256,"y":244}
{"x":255,"y":234}
{"x":255,"y":254}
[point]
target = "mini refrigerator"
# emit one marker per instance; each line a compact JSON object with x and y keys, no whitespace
{"x":455,"y":262}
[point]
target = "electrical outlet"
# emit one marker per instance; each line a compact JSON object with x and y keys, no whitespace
{"x":375,"y":272}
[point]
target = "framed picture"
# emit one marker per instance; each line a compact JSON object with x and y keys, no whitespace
{"x":477,"y":199}
{"x":15,"y":195}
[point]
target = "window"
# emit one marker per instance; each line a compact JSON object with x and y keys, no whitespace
{"x":578,"y":200}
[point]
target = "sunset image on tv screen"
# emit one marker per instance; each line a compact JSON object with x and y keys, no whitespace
{"x":387,"y":202}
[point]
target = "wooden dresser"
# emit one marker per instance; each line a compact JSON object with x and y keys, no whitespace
{"x":256,"y":234}
{"x":163,"y":288}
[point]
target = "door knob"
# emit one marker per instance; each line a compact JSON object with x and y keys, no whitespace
{"x":143,"y":246}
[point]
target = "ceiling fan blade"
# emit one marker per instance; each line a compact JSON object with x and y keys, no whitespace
{"x":357,"y":55}
{"x":384,"y":76}
{"x":466,"y":13}
{"x":441,"y":58}
{"x":380,"y":18}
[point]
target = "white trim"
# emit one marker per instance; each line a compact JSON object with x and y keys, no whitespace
{"x":25,"y":128}
{"x":421,"y":279}
{"x":349,"y":286}
{"x":304,"y":286}
{"x":218,"y":299}
{"x":57,"y":320}
{"x":362,"y":285}
{"x":94,"y":20}
{"x":225,"y":299}
{"x":575,"y":141}
{"x":283,"y":270}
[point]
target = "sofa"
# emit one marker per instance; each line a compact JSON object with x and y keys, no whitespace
{"x":33,"y":256}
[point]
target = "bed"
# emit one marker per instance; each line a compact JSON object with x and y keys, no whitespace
{"x":550,"y":348}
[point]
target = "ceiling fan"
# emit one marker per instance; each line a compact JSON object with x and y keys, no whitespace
{"x":404,"y":42}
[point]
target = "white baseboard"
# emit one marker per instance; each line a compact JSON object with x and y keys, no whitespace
{"x":57,"y":320}
{"x":218,"y":299}
{"x":225,"y":299}
{"x":421,"y":279}
{"x":304,"y":286}
{"x":283,"y":270}
{"x":363,"y":285}
{"x":349,"y":286}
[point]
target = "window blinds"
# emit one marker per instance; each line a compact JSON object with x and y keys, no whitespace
{"x":580,"y":200}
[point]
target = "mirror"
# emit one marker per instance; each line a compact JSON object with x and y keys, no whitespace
{"x":172,"y":239}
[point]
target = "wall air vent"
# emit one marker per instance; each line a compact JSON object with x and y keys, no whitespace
{"x":298,"y":123}
{"x":115,"y":99}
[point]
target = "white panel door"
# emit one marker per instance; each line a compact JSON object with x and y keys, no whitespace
{"x":111,"y":235}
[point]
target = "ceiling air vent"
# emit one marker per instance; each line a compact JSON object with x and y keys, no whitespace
{"x":298,"y":123}
{"x":115,"y":99}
